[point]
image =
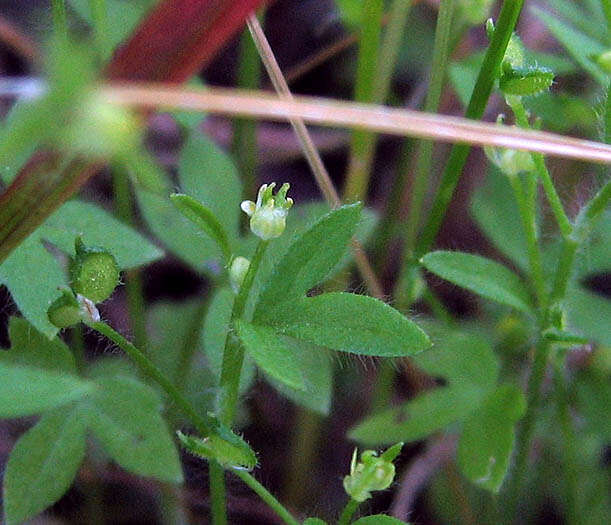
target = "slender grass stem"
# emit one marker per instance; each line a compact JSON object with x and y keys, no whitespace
{"x":99,"y":18}
{"x":361,"y":146}
{"x":348,"y":512}
{"x":233,"y":355}
{"x":245,"y":130}
{"x":266,"y":496}
{"x":420,"y":185}
{"x":133,"y":281}
{"x":60,"y":20}
{"x":441,"y":53}
{"x":507,"y":20}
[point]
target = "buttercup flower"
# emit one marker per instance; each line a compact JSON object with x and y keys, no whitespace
{"x":268,"y":214}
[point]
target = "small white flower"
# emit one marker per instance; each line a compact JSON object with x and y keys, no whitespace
{"x":268,"y":214}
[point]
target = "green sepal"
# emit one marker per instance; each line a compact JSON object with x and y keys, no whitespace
{"x":556,"y":335}
{"x":94,"y":272}
{"x":371,"y":473}
{"x":524,"y":81}
{"x":65,"y":310}
{"x":223,"y":449}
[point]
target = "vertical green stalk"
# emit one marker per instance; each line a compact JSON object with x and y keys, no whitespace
{"x":233,"y":356}
{"x":607,"y":10}
{"x":99,"y":19}
{"x":608,"y":115}
{"x":361,"y":147}
{"x":133,"y":281}
{"x":488,"y":73}
{"x":571,"y":482}
{"x":245,"y":130}
{"x":420,"y":184}
{"x":438,"y":72}
{"x":348,"y":512}
{"x":527,"y":426}
{"x":218,"y":495}
{"x":60,"y":19}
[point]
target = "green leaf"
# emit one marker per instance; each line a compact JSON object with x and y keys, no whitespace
{"x":467,"y":363}
{"x":33,"y":275}
{"x":310,"y":258}
{"x":208,"y":175}
{"x":203,"y":217}
{"x":526,"y":81}
{"x":349,"y":323}
{"x":128,"y":13}
{"x":580,"y":46}
{"x":588,"y":314}
{"x":317,"y":370}
{"x":495,"y":210}
{"x":43,"y":463}
{"x":378,"y":519}
{"x":480,"y":275}
{"x":30,"y":348}
{"x":270,"y":354}
{"x":124,"y":416}
{"x":488,"y":436}
{"x":25,"y":390}
{"x":216,"y":448}
{"x":214,"y":335}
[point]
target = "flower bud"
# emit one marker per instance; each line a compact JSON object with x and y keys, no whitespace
{"x":94,"y":272}
{"x":65,"y":310}
{"x":237,"y":272}
{"x":268,"y":214}
{"x":370,"y":473}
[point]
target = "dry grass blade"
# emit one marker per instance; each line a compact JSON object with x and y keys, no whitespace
{"x":337,"y":113}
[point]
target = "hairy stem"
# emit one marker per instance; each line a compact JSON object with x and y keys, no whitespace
{"x":348,"y":512}
{"x":266,"y":496}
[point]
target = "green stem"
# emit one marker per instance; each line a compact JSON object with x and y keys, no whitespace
{"x":526,"y":207}
{"x":60,"y":20}
{"x":607,"y":10}
{"x":488,"y":73}
{"x":348,"y":512}
{"x":99,"y":18}
{"x":233,"y":355}
{"x":245,"y":130}
{"x":218,"y":495}
{"x":564,"y":224}
{"x":571,"y":480}
{"x":133,"y":281}
{"x":361,"y":145}
{"x":205,"y":425}
{"x":527,"y":427}
{"x":608,"y":114}
{"x":266,"y":496}
{"x":441,"y":52}
{"x":383,"y":387}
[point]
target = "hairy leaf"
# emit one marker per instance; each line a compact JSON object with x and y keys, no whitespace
{"x":488,"y":436}
{"x":26,"y":390}
{"x":43,"y":463}
{"x":124,"y":416}
{"x":310,"y":258}
{"x":350,"y":323}
{"x":480,"y":275}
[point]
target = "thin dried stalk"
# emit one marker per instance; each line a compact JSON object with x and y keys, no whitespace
{"x":329,"y":112}
{"x":309,"y":149}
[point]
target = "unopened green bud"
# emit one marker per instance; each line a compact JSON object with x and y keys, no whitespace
{"x":511,"y":162}
{"x":69,"y":310}
{"x":237,"y":272}
{"x":604,"y":61}
{"x":268,"y":214}
{"x":94,"y":272}
{"x":65,"y":310}
{"x":370,"y":473}
{"x":103,"y":129}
